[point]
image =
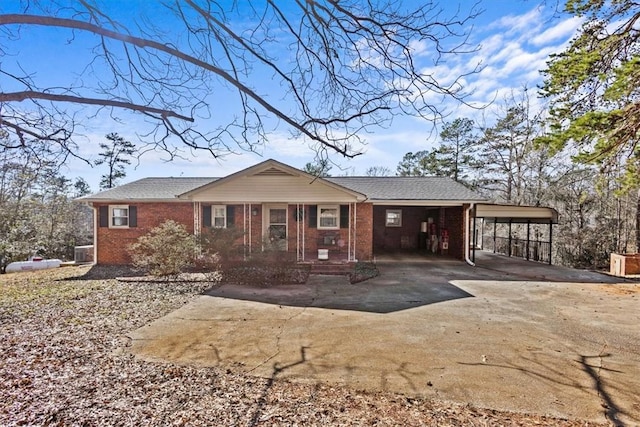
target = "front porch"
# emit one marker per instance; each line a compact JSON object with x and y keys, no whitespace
{"x":311,"y":233}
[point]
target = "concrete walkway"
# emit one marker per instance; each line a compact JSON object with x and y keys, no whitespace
{"x":495,"y":336}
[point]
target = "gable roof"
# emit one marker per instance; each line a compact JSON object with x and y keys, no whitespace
{"x":390,"y":189}
{"x":408,"y":188}
{"x":272,"y":168}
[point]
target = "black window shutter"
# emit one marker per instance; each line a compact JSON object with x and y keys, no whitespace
{"x":231,"y":211}
{"x":344,"y":216}
{"x":206,"y":216}
{"x":133,"y":216}
{"x":104,"y":216}
{"x":313,"y":216}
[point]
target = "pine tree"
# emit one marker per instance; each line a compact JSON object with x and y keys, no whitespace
{"x":116,"y":154}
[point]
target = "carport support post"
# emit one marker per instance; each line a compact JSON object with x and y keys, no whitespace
{"x":528,"y":236}
{"x":473,"y":253}
{"x":550,"y":240}
{"x":509,"y":250}
{"x":495,"y":225}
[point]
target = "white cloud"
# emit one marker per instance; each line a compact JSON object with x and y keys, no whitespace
{"x":528,"y":22}
{"x":562,"y":31}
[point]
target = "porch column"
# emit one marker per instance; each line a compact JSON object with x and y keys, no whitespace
{"x":196,"y":227}
{"x":349,"y":234}
{"x":244,"y":230}
{"x":475,"y":238}
{"x":297,"y":216}
{"x":250,"y":226}
{"x":355,"y":229}
{"x":196,"y":218}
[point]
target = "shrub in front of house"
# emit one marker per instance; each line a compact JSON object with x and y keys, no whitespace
{"x":266,"y":268}
{"x":223,"y":250}
{"x":165,"y":251}
{"x":225,"y":245}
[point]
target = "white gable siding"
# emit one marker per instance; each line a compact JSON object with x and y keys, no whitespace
{"x":266,"y":188}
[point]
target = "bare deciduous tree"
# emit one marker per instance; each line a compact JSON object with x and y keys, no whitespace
{"x":327,"y":69}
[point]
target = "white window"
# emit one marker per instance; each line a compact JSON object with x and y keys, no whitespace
{"x":219,"y":216}
{"x":328,"y":217}
{"x":394,"y":218}
{"x":118,"y":216}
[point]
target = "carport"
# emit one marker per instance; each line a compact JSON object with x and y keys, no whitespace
{"x":415,"y":214}
{"x":426,"y":227}
{"x":533,"y":249}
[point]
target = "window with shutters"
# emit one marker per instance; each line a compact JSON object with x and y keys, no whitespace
{"x":119,"y":216}
{"x":328,"y":217}
{"x":219,"y":216}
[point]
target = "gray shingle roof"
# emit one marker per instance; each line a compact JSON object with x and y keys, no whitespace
{"x":151,"y":189}
{"x":375,"y":188}
{"x":407,"y":188}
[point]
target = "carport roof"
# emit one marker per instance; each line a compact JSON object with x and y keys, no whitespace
{"x":516,"y":214}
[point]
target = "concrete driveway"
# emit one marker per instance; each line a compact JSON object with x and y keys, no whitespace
{"x":506,"y":334}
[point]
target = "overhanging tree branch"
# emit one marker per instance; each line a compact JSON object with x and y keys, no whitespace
{"x":332,"y":69}
{"x":31,"y":94}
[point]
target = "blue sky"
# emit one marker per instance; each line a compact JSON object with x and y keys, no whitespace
{"x":515,"y":38}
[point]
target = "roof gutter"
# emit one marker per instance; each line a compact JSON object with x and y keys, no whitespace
{"x":467,"y":246}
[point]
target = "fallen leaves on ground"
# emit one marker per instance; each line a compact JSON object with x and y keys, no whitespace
{"x":65,"y":362}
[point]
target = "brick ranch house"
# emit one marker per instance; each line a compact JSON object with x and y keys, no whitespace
{"x":343,"y":219}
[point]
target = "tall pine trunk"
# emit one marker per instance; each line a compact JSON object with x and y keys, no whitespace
{"x":638,"y":223}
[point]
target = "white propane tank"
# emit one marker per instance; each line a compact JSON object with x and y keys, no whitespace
{"x":33,"y":264}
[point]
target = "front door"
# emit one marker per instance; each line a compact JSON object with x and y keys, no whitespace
{"x":276,"y":226}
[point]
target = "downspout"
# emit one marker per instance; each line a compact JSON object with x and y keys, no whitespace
{"x":466,"y":237}
{"x":95,"y":232}
{"x":349,"y":249}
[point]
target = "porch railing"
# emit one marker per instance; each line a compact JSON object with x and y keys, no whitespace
{"x":532,"y":250}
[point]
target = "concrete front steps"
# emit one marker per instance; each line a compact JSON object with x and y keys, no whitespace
{"x":331,"y":268}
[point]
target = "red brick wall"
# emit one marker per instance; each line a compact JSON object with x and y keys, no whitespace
{"x":112,"y":243}
{"x":364,"y":231}
{"x":256,"y":227}
{"x":454,"y":222}
{"x":394,"y":238}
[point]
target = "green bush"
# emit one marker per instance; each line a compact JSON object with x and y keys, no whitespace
{"x":165,"y":251}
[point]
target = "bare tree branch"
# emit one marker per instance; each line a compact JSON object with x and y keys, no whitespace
{"x":31,"y":94}
{"x":331,"y":69}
